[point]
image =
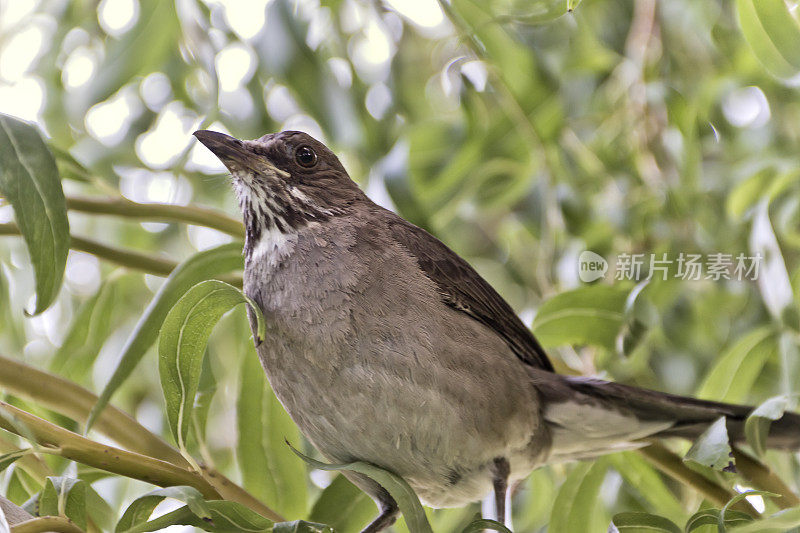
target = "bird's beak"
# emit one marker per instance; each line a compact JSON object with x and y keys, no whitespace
{"x":231,"y":151}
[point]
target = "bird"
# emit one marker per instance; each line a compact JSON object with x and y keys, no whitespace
{"x":385,"y":346}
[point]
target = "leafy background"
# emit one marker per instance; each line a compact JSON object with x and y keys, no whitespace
{"x":517,"y":132}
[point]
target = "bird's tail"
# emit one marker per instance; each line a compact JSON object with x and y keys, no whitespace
{"x":589,"y":417}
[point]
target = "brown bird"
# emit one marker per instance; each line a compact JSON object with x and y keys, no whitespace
{"x":385,"y":346}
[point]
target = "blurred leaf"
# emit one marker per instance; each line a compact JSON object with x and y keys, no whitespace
{"x":64,"y":496}
{"x":30,"y":182}
{"x":756,"y":427}
{"x":142,"y":50}
{"x":142,"y":507}
{"x":199,"y":267}
{"x":182,"y":344}
{"x":574,"y":508}
{"x":766,"y":184}
{"x":402,"y":493}
{"x":301,"y":526}
{"x":269,"y":468}
{"x":7,"y":459}
{"x":712,"y":448}
{"x":773,"y":34}
{"x":642,"y":523}
{"x":344,"y":506}
{"x":89,"y":330}
{"x":734,"y":373}
{"x":773,"y":278}
{"x":647,"y":482}
{"x":225,"y":517}
{"x":99,"y":511}
{"x":588,"y":315}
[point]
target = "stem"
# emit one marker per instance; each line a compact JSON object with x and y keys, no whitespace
{"x":763,"y":478}
{"x":59,"y":441}
{"x":72,"y":400}
{"x":134,"y":260}
{"x":122,"y":207}
{"x":673,"y":466}
{"x":58,"y":524}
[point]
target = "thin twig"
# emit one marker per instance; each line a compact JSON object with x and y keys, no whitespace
{"x":122,"y":207}
{"x":673,"y":466}
{"x":72,"y":400}
{"x":142,"y":262}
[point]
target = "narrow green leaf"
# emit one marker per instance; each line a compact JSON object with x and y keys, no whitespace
{"x":7,"y":459}
{"x":402,"y":493}
{"x":30,"y":182}
{"x":643,"y":523}
{"x":712,"y":448}
{"x":226,"y":517}
{"x":483,"y":524}
{"x":301,"y":526}
{"x":649,"y":484}
{"x":576,"y":501}
{"x":269,"y":468}
{"x":64,"y":496}
{"x":588,"y":315}
{"x":142,"y":507}
{"x":779,"y":522}
{"x":706,"y":518}
{"x":734,"y":373}
{"x":756,"y":427}
{"x":773,"y":34}
{"x":182,"y":345}
{"x":200,"y":267}
{"x":344,"y":506}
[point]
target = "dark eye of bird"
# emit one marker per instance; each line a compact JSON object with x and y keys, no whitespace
{"x":305,"y":157}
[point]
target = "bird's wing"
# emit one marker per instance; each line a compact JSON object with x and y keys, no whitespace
{"x":464,"y":289}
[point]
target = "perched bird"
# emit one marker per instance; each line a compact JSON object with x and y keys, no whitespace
{"x":385,"y":346}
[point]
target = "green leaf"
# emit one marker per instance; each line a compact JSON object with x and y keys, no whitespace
{"x":588,"y":315}
{"x":199,"y":267}
{"x":483,"y":524}
{"x":773,"y":278}
{"x":30,"y":182}
{"x":142,"y":50}
{"x":773,"y":34}
{"x":574,"y":507}
{"x":142,"y":507}
{"x":712,"y":448}
{"x":344,"y":506}
{"x":226,"y":517}
{"x":648,"y":483}
{"x":779,"y":522}
{"x":90,"y":328}
{"x":182,"y":345}
{"x":64,"y":496}
{"x":714,"y":518}
{"x":756,"y":427}
{"x":402,"y":493}
{"x":301,"y":526}
{"x":643,"y":523}
{"x":733,"y":375}
{"x":7,"y":459}
{"x":269,"y":468}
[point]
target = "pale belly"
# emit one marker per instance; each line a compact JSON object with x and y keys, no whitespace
{"x":439,"y":422}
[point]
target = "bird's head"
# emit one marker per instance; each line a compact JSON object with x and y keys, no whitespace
{"x":283,"y":181}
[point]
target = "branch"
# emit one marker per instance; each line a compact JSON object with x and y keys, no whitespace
{"x":57,"y":524}
{"x":72,"y":400}
{"x":673,"y":466}
{"x":150,"y":264}
{"x":122,"y":207}
{"x":59,"y":441}
{"x":762,"y":478}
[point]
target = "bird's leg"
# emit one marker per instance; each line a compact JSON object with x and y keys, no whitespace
{"x":389,"y":512}
{"x":500,"y":472}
